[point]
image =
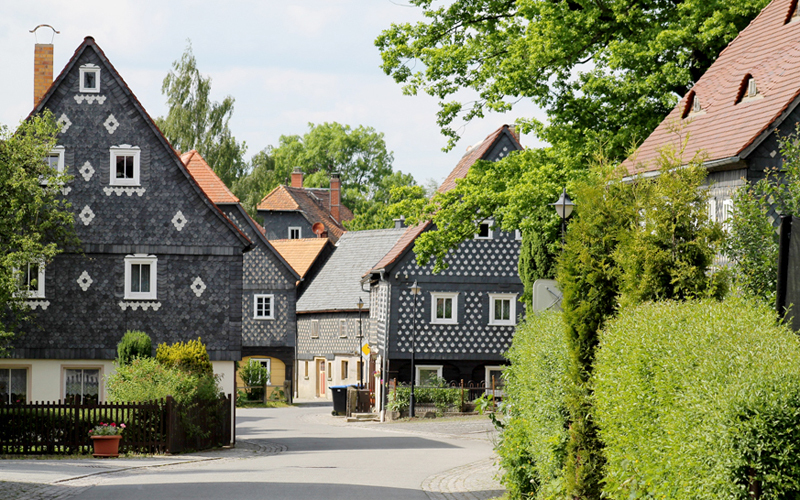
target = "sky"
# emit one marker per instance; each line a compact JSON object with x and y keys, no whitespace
{"x":285,"y":63}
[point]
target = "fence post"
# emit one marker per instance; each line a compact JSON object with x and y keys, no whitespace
{"x":462,"y":395}
{"x":493,"y":407}
{"x":170,"y":424}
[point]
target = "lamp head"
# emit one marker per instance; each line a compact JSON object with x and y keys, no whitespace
{"x":564,"y":205}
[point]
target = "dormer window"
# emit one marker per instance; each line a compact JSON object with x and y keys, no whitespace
{"x":747,"y":89}
{"x":751,"y":87}
{"x":692,"y":104}
{"x":90,"y":78}
{"x":695,"y":105}
{"x":794,"y":15}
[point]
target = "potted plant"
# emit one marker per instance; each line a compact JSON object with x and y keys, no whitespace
{"x":105,"y":438}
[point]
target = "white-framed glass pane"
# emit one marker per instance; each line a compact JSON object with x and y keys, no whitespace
{"x":428,"y":376}
{"x":13,"y":385}
{"x":89,"y":80}
{"x":125,"y":167}
{"x":444,"y":308}
{"x":82,"y":385}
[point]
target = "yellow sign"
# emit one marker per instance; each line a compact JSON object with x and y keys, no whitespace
{"x":365,"y":350}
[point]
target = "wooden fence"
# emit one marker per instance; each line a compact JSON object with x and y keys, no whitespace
{"x":161,"y":426}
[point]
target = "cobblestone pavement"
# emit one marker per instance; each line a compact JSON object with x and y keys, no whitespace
{"x":475,"y":481}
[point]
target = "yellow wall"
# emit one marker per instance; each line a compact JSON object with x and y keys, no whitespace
{"x":277,"y":373}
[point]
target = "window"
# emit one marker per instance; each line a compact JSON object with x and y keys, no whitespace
{"x":444,"y":308}
{"x":314,"y":328}
{"x":727,"y":214}
{"x":712,"y":210}
{"x":295,"y":233}
{"x":265,"y":363}
{"x":494,"y":380}
{"x":82,"y":385}
{"x":140,"y":276}
{"x":752,"y":91}
{"x":502,"y":309}
{"x":342,"y":328}
{"x":484,"y":231}
{"x":30,"y":281}
{"x":90,"y":78}
{"x":55,"y":159}
{"x":344,"y":369}
{"x":330,"y":370}
{"x":124,"y":165}
{"x":13,"y":385}
{"x":305,"y":373}
{"x":428,"y":375}
{"x":263,"y":306}
{"x":518,"y":235}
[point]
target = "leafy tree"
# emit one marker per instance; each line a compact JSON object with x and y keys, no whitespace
{"x":404,"y":201}
{"x":261,"y":179}
{"x":35,"y":221}
{"x":195,"y":122}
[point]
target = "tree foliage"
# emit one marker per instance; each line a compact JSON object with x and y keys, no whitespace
{"x":194,"y":121}
{"x":36,"y":223}
{"x":403,"y":201}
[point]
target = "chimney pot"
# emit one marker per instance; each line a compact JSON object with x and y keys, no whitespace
{"x":297,"y":178}
{"x":335,"y":195}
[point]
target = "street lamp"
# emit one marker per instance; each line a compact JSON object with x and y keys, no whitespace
{"x":564,"y":208}
{"x":415,"y":290}
{"x":360,"y":306}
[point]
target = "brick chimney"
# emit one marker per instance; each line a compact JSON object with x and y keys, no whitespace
{"x":297,"y":178}
{"x":42,"y":70}
{"x":335,"y":196}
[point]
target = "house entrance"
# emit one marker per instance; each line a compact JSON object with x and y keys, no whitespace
{"x":321,"y":378}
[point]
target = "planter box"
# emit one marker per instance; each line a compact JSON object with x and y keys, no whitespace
{"x":106,"y":446}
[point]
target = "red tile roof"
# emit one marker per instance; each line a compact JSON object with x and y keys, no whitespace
{"x":313,"y":203}
{"x":208,"y":181}
{"x":769,"y":51}
{"x":473,"y":154}
{"x":300,"y":254}
{"x":401,"y":246}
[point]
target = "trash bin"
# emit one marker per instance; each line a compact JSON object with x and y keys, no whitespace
{"x":339,"y":393}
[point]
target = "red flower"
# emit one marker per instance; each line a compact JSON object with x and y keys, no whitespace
{"x":113,"y":424}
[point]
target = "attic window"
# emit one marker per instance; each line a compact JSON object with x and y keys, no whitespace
{"x":692,"y":104}
{"x":748,"y":89}
{"x":793,"y":13}
{"x":90,"y":78}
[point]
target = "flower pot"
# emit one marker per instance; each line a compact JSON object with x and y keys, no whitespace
{"x":106,"y":446}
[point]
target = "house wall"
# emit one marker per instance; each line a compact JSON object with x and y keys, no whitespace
{"x":277,"y":224}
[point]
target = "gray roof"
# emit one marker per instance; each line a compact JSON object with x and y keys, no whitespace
{"x":337,"y":287}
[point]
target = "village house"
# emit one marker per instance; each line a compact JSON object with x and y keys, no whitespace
{"x":157,"y":254}
{"x":463,"y":319}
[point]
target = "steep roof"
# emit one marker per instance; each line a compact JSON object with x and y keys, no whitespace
{"x":477,"y":152}
{"x":400,"y":248}
{"x":90,"y":44}
{"x":313,"y":203}
{"x":337,"y":287}
{"x":727,"y":125}
{"x":301,"y":253}
{"x":208,"y":181}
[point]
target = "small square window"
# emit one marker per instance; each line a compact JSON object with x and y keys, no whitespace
{"x":90,"y":78}
{"x":502,"y":309}
{"x":444,"y":308}
{"x":125,"y":165}
{"x":30,"y":281}
{"x":342,"y":328}
{"x":263,"y":306}
{"x":13,"y":385}
{"x":140,"y":276}
{"x":295,"y":233}
{"x":484,"y":231}
{"x":428,"y":375}
{"x":314,"y":328}
{"x":82,"y":385}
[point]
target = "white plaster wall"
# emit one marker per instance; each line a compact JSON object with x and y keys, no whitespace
{"x":46,"y":376}
{"x":227,"y":372}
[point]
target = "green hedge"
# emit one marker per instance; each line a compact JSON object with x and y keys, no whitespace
{"x":699,"y":400}
{"x":532,"y":447}
{"x":442,"y":397}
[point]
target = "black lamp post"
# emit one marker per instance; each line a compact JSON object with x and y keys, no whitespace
{"x":415,"y":290}
{"x":564,"y":208}
{"x":360,"y":306}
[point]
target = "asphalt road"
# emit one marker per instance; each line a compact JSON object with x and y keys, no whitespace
{"x":298,"y":453}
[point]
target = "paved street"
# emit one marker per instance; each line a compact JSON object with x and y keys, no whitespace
{"x":298,"y":452}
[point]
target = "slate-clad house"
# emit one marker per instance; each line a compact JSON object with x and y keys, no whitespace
{"x":290,"y":212}
{"x":158,"y":256}
{"x":328,"y":317}
{"x":736,"y":111}
{"x":268,"y":282}
{"x":466,"y":315}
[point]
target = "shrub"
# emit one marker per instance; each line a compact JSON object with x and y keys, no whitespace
{"x":145,"y":379}
{"x":699,"y":400}
{"x":254,"y":374}
{"x":134,"y":344}
{"x":442,"y":396}
{"x":190,"y":356}
{"x":532,"y":445}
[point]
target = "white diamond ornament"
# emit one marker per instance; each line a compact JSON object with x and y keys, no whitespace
{"x":85,"y":281}
{"x":86,"y":216}
{"x":198,"y":287}
{"x":65,"y":123}
{"x":87,"y":171}
{"x":179,"y":221}
{"x":111,"y":124}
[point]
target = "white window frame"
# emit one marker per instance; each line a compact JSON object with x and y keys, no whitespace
{"x":342,"y":328}
{"x":266,"y":296}
{"x":139,"y":259}
{"x":100,"y":386}
{"x":90,"y":68}
{"x":488,"y":381}
{"x":727,"y":214}
{"x":32,"y":294}
{"x":125,"y":150}
{"x":444,"y":295}
{"x":419,"y":368}
{"x":314,"y":328}
{"x":58,"y":151}
{"x":517,"y":235}
{"x":489,"y":223}
{"x":512,"y":298}
{"x":266,"y":363}
{"x":299,"y":232}
{"x":27,"y":369}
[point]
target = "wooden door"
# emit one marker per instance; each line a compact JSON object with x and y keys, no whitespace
{"x":321,"y":378}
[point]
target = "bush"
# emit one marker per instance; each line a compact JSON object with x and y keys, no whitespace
{"x":442,"y":396}
{"x":134,"y":344}
{"x":254,"y":374}
{"x":145,"y":379}
{"x":699,"y":400}
{"x":190,"y":356}
{"x":532,"y":445}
